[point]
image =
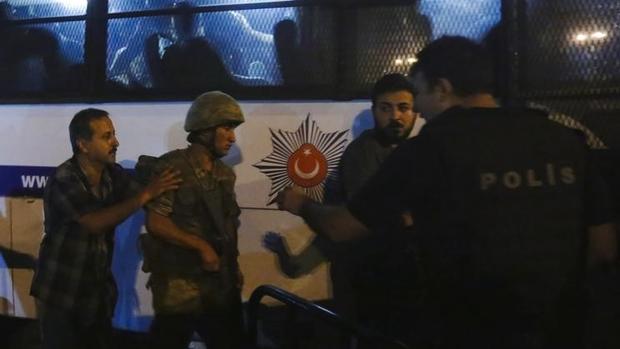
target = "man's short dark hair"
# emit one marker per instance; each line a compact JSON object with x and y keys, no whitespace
{"x":79,"y":128}
{"x":466,"y":64}
{"x":390,"y":83}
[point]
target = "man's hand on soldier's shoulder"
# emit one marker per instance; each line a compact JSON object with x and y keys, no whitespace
{"x":168,"y":180}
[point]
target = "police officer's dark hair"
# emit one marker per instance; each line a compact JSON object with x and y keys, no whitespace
{"x":466,"y":64}
{"x":79,"y":128}
{"x":390,"y":83}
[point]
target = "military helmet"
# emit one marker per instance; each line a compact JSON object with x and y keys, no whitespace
{"x":212,"y":109}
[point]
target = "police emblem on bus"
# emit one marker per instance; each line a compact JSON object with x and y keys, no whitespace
{"x":306,"y":158}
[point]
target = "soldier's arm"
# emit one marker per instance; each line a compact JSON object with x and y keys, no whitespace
{"x":164,"y":228}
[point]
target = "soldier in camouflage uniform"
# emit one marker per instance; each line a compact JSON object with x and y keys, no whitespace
{"x":191,"y":248}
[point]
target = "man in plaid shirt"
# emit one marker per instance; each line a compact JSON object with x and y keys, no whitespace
{"x":84,"y":201}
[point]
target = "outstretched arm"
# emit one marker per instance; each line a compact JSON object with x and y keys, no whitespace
{"x":333,"y":222}
{"x":292,"y":265}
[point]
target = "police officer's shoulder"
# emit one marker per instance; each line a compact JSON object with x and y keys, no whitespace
{"x":507,"y":112}
{"x":579,"y":134}
{"x":535,"y":111}
{"x":564,"y":128}
{"x":426,"y":141}
{"x":544,"y":123}
{"x":449,"y":118}
{"x":458,"y":117}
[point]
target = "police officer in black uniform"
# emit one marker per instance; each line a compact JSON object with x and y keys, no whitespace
{"x":504,"y":202}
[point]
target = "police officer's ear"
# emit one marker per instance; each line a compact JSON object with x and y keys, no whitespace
{"x":444,"y":88}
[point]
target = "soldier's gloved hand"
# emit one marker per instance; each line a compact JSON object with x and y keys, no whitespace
{"x":274,"y":242}
{"x":210,"y":259}
{"x":168,"y":180}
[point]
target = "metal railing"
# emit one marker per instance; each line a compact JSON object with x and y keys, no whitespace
{"x":298,"y":305}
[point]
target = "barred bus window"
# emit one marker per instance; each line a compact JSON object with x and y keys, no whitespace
{"x":470,"y":18}
{"x":302,"y":50}
{"x":223,"y":49}
{"x":42,"y":58}
{"x":115,"y":6}
{"x":572,"y":46}
{"x":137,"y":5}
{"x":26,"y":9}
{"x":387,"y":39}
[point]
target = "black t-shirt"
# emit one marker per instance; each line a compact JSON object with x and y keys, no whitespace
{"x":500,"y":200}
{"x":608,"y":163}
{"x":412,"y":175}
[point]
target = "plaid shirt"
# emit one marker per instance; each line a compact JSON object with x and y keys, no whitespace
{"x":74,"y":267}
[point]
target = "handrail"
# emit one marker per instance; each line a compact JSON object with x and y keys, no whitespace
{"x":314,"y":310}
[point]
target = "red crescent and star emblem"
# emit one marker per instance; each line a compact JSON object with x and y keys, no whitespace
{"x":306,"y":158}
{"x":307,"y":167}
